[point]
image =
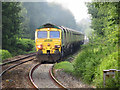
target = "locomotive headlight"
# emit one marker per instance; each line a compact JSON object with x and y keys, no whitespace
{"x":57,"y":46}
{"x":40,"y":47}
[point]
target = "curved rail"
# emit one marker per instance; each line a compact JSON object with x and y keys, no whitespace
{"x":30,"y":75}
{"x":51,"y":75}
{"x":9,"y":62}
{"x":16,"y":60}
{"x":51,"y":72}
{"x":14,"y":66}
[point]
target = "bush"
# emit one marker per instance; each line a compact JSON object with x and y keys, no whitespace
{"x":91,"y":62}
{"x":5,"y":54}
{"x":109,"y":62}
{"x":24,"y":46}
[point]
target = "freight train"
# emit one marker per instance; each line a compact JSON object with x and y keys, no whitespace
{"x":53,"y":42}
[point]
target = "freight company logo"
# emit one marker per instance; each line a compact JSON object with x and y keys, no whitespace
{"x":48,"y":40}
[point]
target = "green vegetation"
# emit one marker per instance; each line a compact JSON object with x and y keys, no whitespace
{"x":25,"y":46}
{"x":109,"y":62}
{"x":100,"y":54}
{"x":91,"y":62}
{"x":4,"y":54}
{"x":13,"y":25}
{"x":102,"y":51}
{"x":67,"y":66}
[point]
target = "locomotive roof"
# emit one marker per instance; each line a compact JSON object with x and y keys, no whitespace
{"x":48,"y":25}
{"x":69,"y":29}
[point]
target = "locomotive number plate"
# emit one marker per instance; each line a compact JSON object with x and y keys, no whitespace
{"x":48,"y":40}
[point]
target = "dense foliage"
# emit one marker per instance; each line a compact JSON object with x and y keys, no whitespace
{"x":102,"y":51}
{"x":12,"y":25}
{"x":25,"y":46}
{"x":4,"y":54}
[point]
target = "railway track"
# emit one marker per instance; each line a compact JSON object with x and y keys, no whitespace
{"x":44,"y":79}
{"x":35,"y":79}
{"x":51,"y":72}
{"x":6,"y":65}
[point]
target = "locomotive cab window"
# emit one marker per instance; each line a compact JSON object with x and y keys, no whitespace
{"x":54,"y":34}
{"x":42,"y":34}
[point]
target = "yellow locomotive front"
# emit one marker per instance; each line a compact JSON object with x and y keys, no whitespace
{"x":48,"y":42}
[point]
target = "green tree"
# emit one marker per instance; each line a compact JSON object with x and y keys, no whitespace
{"x":11,"y":22}
{"x":24,"y":25}
{"x":104,"y":15}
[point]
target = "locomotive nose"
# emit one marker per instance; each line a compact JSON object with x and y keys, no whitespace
{"x":49,"y":48}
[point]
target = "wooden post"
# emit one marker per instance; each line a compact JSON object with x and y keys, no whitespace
{"x":108,"y":73}
{"x":104,"y":76}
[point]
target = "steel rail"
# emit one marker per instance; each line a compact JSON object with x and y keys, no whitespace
{"x":9,"y":62}
{"x":3,"y":72}
{"x":51,"y":72}
{"x":30,"y":75}
{"x":51,"y":75}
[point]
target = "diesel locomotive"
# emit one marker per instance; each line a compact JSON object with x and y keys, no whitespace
{"x":53,"y":42}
